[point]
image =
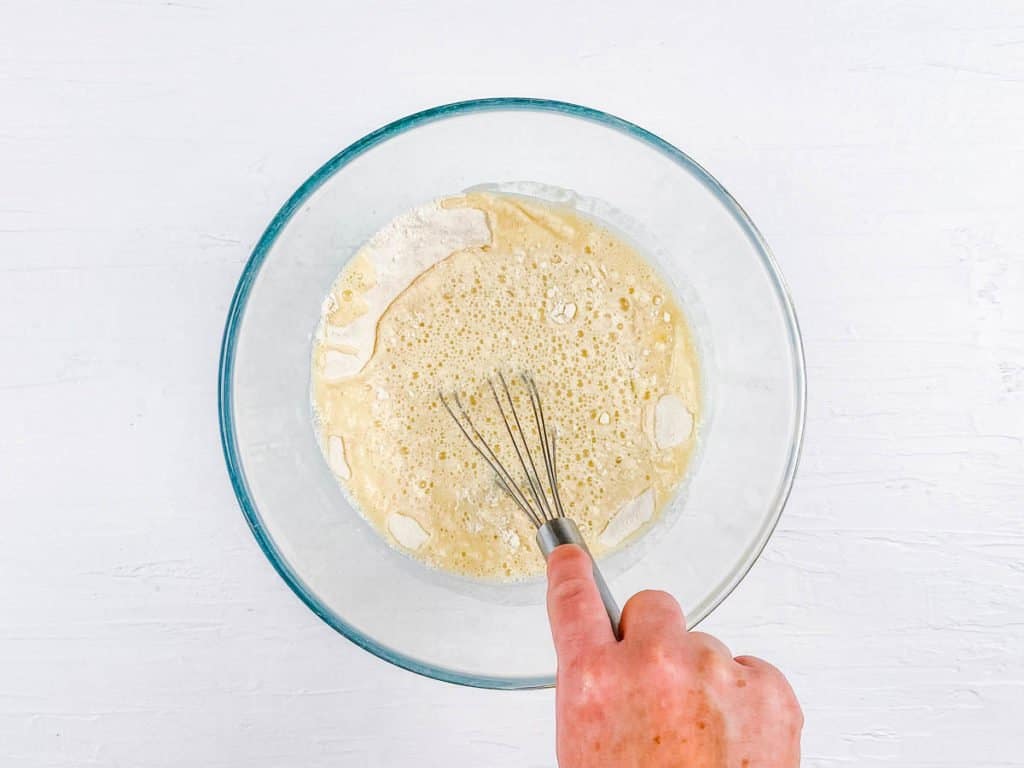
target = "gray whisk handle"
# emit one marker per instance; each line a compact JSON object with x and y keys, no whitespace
{"x":562,"y":530}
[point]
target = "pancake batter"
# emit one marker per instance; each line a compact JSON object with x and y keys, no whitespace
{"x":450,"y":293}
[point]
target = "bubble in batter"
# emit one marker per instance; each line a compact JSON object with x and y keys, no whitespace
{"x":450,"y":293}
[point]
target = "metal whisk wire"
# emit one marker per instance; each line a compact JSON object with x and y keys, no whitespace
{"x":544,"y":507}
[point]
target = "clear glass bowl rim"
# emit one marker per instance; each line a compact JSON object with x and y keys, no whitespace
{"x":266,"y":242}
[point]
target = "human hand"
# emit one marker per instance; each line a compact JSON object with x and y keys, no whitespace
{"x":662,"y":696}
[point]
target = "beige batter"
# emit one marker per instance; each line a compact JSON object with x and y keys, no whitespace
{"x":452,"y":292}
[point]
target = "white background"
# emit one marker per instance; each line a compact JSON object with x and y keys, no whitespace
{"x":145,"y":145}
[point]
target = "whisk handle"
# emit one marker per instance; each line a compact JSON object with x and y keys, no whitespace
{"x":562,"y":530}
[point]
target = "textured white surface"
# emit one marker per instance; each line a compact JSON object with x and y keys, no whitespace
{"x":143,"y":147}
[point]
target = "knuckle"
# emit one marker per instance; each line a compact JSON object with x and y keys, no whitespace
{"x":658,"y":648}
{"x":781,"y":700}
{"x":797,"y":717}
{"x":651,"y":605}
{"x":662,"y":668}
{"x":711,"y":665}
{"x":652,"y":599}
{"x":657,"y":652}
{"x":714,"y":644}
{"x":706,"y":657}
{"x":789,"y":707}
{"x":788,"y":712}
{"x":570,"y":590}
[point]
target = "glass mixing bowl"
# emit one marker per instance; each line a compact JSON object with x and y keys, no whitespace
{"x":706,"y":247}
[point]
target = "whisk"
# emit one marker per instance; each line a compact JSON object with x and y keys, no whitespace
{"x":538,"y":497}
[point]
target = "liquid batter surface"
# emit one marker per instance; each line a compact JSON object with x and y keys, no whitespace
{"x":451,"y":293}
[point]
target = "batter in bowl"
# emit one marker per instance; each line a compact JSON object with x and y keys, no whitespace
{"x":447,"y":295}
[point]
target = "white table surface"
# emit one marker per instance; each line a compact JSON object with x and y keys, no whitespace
{"x":144,"y":146}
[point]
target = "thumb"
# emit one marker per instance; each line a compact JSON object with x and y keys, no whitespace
{"x":578,"y":619}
